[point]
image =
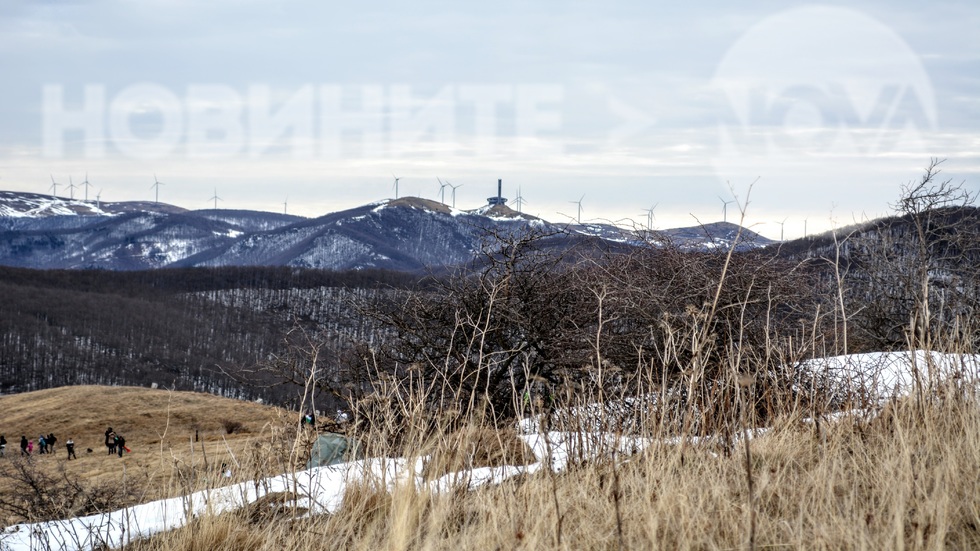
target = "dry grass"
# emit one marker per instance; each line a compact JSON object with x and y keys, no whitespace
{"x":160,"y":428}
{"x":907,"y":479}
{"x":473,"y":447}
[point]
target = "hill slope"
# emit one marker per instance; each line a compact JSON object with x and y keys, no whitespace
{"x":160,"y":428}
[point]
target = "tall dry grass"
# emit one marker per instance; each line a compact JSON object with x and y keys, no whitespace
{"x":903,"y":479}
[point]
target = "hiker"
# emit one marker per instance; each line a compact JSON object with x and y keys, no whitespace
{"x":50,"y":440}
{"x":307,"y":420}
{"x":120,"y":444}
{"x":30,"y":447}
{"x":110,"y":440}
{"x":70,"y":446}
{"x":3,"y":445}
{"x":40,"y":444}
{"x":23,"y":445}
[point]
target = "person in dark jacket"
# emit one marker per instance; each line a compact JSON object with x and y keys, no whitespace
{"x":50,"y":440}
{"x":3,"y":445}
{"x":23,"y":445}
{"x":120,"y":444}
{"x":70,"y":446}
{"x":110,"y":440}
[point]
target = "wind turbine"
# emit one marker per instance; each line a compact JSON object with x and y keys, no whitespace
{"x":725,"y":207}
{"x":454,"y":192}
{"x":781,"y":228}
{"x":215,"y":198}
{"x":98,"y":200}
{"x":442,"y":191}
{"x":86,"y":185}
{"x":71,"y":188}
{"x":804,"y":226}
{"x":284,"y":204}
{"x":395,"y":185}
{"x":157,"y":184}
{"x":650,"y":216}
{"x":54,"y":187}
{"x":519,"y":200}
{"x":579,"y":203}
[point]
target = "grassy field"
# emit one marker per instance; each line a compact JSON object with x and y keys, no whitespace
{"x":176,"y":438}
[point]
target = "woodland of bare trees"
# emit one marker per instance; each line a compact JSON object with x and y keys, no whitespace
{"x":183,"y":329}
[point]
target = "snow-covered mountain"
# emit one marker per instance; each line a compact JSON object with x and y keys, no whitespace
{"x":411,"y":233}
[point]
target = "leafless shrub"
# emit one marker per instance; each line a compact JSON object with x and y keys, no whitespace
{"x":35,"y":492}
{"x":232,"y":426}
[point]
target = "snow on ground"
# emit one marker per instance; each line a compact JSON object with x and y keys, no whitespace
{"x":31,"y":205}
{"x":322,"y":488}
{"x":884,"y":375}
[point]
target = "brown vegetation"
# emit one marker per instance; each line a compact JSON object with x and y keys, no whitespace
{"x":177,"y":440}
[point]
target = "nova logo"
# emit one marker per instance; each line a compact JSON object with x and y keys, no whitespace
{"x":811,"y":86}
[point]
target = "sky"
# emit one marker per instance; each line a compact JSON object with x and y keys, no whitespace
{"x":804,"y":116}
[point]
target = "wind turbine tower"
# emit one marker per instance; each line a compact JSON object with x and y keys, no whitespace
{"x":71,"y":188}
{"x":454,"y":191}
{"x":579,"y":203}
{"x":395,"y":185}
{"x":442,"y":191}
{"x":650,"y":216}
{"x":724,"y":208}
{"x":215,"y":198}
{"x":285,"y":203}
{"x":86,"y":185}
{"x":98,"y":200}
{"x":54,"y":187}
{"x":519,"y":200}
{"x":156,"y":184}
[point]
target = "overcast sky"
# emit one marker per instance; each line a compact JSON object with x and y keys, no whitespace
{"x":827,"y":108}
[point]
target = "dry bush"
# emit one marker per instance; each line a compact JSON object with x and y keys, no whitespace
{"x":232,"y":426}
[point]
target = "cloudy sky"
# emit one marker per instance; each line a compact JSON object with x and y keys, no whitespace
{"x":815,"y":112}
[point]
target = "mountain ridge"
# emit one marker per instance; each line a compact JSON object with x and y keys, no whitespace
{"x":404,"y":234}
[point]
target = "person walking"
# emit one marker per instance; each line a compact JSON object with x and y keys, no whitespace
{"x":40,"y":444}
{"x":120,"y":444}
{"x":23,"y":445}
{"x":3,"y":445}
{"x":50,"y":440}
{"x":110,"y":440}
{"x":30,"y":447}
{"x":70,"y":446}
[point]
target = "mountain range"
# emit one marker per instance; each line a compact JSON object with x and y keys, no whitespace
{"x":405,"y":234}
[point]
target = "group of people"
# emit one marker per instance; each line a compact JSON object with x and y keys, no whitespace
{"x":115,"y":442}
{"x":45,"y":444}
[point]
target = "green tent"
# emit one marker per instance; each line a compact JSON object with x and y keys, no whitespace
{"x":332,"y":448}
